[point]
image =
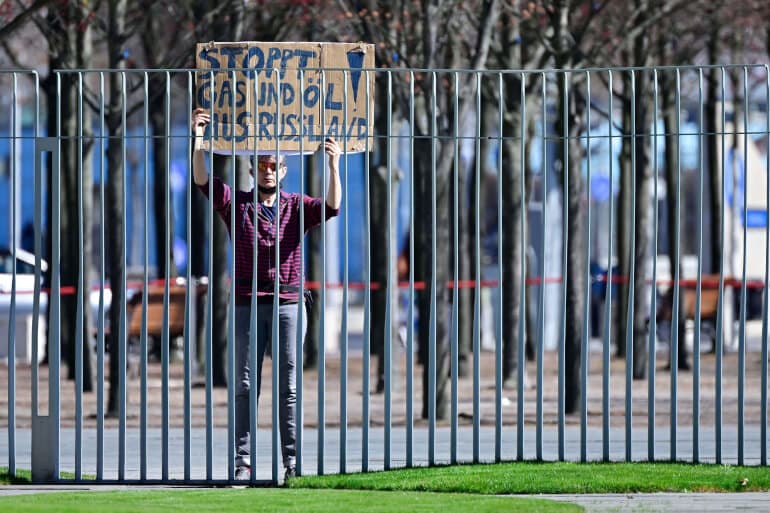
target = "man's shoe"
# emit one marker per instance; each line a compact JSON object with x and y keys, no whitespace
{"x":243,"y":473}
{"x":290,"y":472}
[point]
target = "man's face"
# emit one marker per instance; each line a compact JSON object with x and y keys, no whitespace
{"x":266,"y":172}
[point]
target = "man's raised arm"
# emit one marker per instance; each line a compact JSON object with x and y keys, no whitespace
{"x":200,"y":118}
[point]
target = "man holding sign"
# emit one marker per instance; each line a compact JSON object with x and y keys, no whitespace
{"x":257,"y":228}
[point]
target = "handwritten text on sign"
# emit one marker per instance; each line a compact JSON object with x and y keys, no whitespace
{"x":275,"y":95}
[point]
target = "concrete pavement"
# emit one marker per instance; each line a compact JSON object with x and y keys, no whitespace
{"x":604,"y":503}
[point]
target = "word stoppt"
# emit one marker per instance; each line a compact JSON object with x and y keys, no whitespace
{"x":285,"y":96}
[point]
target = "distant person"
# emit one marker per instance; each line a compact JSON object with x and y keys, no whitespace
{"x":255,"y":225}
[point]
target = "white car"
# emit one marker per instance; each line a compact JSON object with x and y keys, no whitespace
{"x":25,"y":295}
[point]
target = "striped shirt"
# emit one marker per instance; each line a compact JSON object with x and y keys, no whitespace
{"x":290,"y":265}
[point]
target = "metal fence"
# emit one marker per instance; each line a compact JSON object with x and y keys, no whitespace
{"x":611,"y":123}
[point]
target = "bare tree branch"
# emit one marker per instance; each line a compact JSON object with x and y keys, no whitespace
{"x":19,"y":20}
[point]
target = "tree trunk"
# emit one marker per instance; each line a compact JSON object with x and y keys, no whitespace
{"x":423,"y":243}
{"x":68,"y":51}
{"x":75,"y":52}
{"x":576,"y":264}
{"x":530,"y":255}
{"x":513,"y":234}
{"x":86,"y":193}
{"x":160,"y":145}
{"x":466,"y":229}
{"x":379,"y":237}
{"x":625,"y":218}
{"x":712,"y":147}
{"x":575,"y":239}
{"x":667,"y":85}
{"x":115,"y":208}
{"x":644,"y":229}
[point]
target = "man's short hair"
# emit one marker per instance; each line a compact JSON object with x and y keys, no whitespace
{"x":266,"y":157}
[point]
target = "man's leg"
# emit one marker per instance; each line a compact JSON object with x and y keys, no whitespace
{"x":243,"y":377}
{"x":288,"y":381}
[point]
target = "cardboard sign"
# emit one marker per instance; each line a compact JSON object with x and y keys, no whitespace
{"x":285,"y":97}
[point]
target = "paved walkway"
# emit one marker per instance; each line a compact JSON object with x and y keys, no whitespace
{"x":631,"y":503}
{"x":332,"y":454}
{"x":752,"y":502}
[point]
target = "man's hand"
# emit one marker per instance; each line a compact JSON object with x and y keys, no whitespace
{"x":334,"y":151}
{"x":334,"y":192}
{"x":200,"y":118}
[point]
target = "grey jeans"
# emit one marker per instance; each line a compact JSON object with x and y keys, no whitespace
{"x":287,"y":375}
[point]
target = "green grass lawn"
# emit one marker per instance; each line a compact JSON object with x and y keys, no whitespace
{"x":273,"y":500}
{"x":536,"y":478}
{"x":441,"y":489}
{"x":22,"y":476}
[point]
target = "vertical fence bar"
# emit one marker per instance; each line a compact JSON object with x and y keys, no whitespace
{"x":275,"y":346}
{"x":165,"y":339}
{"x":477,"y":289}
{"x":410,"y":314}
{"x":37,"y":215}
{"x":345,"y":299}
{"x":765,"y":302}
{"x":123,"y":398}
{"x":541,"y":297}
{"x":81,"y":291}
{"x":565,"y":229}
{"x":520,"y":350}
{"x":210,"y":304}
{"x":632,"y":278}
{"x":233,"y":290}
{"x":719,"y":343}
{"x":742,"y":325}
{"x":608,"y":295}
{"x":322,"y":337}
{"x":698,"y":285}
{"x":253,"y":396}
{"x":388,"y":355}
{"x":499,"y":318}
{"x":12,"y":313}
{"x":37,"y":236}
{"x":189,"y":327}
{"x":454,"y":349}
{"x":100,"y":321}
{"x":585,"y":338}
{"x":651,"y":349}
{"x":366,"y":386}
{"x":433,"y":285}
{"x":300,"y":354}
{"x":674,"y":361}
{"x":145,"y":290}
{"x":54,"y":298}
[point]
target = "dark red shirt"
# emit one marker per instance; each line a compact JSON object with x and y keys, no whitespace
{"x":290,"y":265}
